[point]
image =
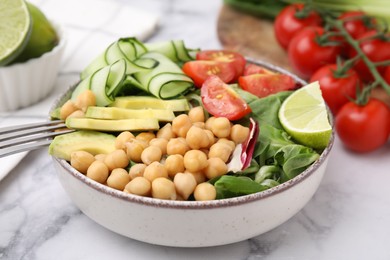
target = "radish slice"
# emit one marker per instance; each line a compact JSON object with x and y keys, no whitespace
{"x":242,"y":154}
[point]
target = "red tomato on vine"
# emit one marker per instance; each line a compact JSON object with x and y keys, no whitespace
{"x":363,"y":128}
{"x":291,"y":20}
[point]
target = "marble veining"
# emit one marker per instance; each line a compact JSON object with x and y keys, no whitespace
{"x":347,"y":218}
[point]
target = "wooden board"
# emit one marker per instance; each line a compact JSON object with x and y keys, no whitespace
{"x":254,"y":37}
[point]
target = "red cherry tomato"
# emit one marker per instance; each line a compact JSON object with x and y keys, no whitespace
{"x":263,"y":85}
{"x":256,"y":69}
{"x":233,"y":57}
{"x":306,"y":55}
{"x":363,"y":128}
{"x":336,"y":90}
{"x":200,"y":70}
{"x":376,"y":50}
{"x":357,"y":23}
{"x":386,"y":75}
{"x":221,"y":101}
{"x":287,"y":24}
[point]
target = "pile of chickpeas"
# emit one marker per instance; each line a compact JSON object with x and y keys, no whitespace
{"x":173,"y":163}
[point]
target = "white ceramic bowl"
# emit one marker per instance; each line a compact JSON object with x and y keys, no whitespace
{"x":191,"y":223}
{"x":24,"y":84}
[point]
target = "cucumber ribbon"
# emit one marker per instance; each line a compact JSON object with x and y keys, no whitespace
{"x":129,"y":63}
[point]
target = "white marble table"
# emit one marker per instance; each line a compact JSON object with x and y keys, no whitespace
{"x":348,"y":218}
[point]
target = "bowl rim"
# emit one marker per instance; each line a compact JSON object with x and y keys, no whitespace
{"x":148,"y":201}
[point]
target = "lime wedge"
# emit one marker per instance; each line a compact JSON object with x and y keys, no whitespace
{"x":305,"y":117}
{"x":15,"y":29}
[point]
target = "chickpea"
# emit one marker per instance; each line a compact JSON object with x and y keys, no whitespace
{"x":209,"y":122}
{"x":185,"y":184}
{"x":174,"y":164}
{"x":85,"y":99}
{"x":134,"y":149}
{"x":98,"y":171}
{"x":220,"y":150}
{"x":215,"y":168}
{"x":199,"y":176}
{"x":122,"y":139}
{"x":155,"y":170}
{"x":77,"y":114}
{"x":163,"y":188}
{"x":177,"y":146}
{"x":81,"y":160}
{"x":211,"y":137}
{"x":231,"y":144}
{"x":68,"y":108}
{"x":205,"y":191}
{"x":181,"y":124}
{"x":221,"y":127}
{"x":139,"y":186}
{"x":118,"y":179}
{"x":137,"y":170}
{"x":201,"y":125}
{"x":116,"y":159}
{"x":196,"y":114}
{"x":166,"y":132}
{"x":197,"y":138}
{"x":195,"y":160}
{"x":151,"y":154}
{"x":145,"y":136}
{"x":160,"y":143}
{"x":239,"y":133}
{"x":100,"y":157}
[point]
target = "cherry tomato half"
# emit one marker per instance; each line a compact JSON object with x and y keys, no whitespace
{"x":263,"y":85}
{"x":221,"y":101}
{"x":363,"y":128}
{"x":306,"y":55}
{"x":200,"y":70}
{"x":287,"y":24}
{"x":233,"y":57}
{"x":376,"y":50}
{"x":255,"y":69}
{"x":336,"y":90}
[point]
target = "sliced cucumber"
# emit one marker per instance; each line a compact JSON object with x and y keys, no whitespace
{"x":82,"y":86}
{"x":174,"y":50}
{"x":168,"y":85}
{"x":159,"y":80}
{"x":116,"y":77}
{"x":125,"y":48}
{"x":96,"y":64}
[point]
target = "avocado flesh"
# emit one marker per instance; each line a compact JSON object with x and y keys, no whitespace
{"x":124,"y":113}
{"x":119,"y":125}
{"x":144,"y":102}
{"x":90,"y":141}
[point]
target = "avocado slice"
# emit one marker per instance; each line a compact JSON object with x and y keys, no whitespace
{"x":90,"y":141}
{"x":144,"y":102}
{"x":124,"y":113}
{"x":118,"y":125}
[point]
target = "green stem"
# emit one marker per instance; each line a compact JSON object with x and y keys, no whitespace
{"x":378,"y":80}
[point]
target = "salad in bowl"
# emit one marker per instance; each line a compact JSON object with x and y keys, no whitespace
{"x":187,"y":147}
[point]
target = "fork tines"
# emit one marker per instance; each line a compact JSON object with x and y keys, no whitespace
{"x":15,"y":139}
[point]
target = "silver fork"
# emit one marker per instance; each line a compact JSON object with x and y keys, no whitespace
{"x":19,"y":138}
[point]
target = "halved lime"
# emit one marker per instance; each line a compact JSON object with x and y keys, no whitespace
{"x":15,"y":29}
{"x":305,"y":117}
